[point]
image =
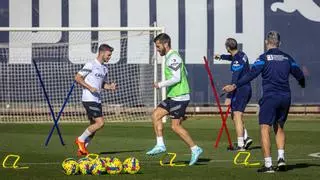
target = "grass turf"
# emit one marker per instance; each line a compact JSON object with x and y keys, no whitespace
{"x":133,"y":139}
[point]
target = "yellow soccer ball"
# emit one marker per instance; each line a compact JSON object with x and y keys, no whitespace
{"x":98,"y":166}
{"x":131,"y":165}
{"x":106,"y":159}
{"x":84,"y":166}
{"x":70,"y":166}
{"x":114,"y":166}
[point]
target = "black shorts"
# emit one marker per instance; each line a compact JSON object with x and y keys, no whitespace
{"x":94,"y":109}
{"x":176,"y":109}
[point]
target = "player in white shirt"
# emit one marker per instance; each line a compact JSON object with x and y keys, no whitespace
{"x":92,"y":77}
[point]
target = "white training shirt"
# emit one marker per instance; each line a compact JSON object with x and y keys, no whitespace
{"x":174,"y":63}
{"x":95,"y":74}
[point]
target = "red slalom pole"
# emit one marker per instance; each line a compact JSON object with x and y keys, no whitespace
{"x":223,"y":118}
{"x":224,"y":125}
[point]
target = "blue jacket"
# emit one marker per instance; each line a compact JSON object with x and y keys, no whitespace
{"x":239,"y":67}
{"x":275,"y":67}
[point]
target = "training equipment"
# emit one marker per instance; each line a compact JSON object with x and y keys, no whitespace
{"x":70,"y":166}
{"x":84,"y":166}
{"x":92,"y":156}
{"x":171,"y":162}
{"x":114,"y":166}
{"x":59,"y":53}
{"x":98,"y":166}
{"x":245,"y":162}
{"x":106,"y":159}
{"x":14,"y":164}
{"x":131,"y":165}
{"x":223,"y":117}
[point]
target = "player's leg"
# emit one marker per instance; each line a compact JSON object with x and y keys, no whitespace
{"x":238,"y":106}
{"x":282,"y":114}
{"x":177,"y":112}
{"x":177,"y":127}
{"x":280,"y":141}
{"x":88,"y":140}
{"x":157,"y":115}
{"x":238,"y":123}
{"x":247,"y":140}
{"x":94,"y":111}
{"x":266,"y":119}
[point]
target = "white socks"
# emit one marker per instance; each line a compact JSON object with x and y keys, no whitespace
{"x":268,"y":162}
{"x":193,"y":148}
{"x":240,"y":142}
{"x":280,"y":153}
{"x":160,"y":141}
{"x":245,"y":133}
{"x":84,"y":135}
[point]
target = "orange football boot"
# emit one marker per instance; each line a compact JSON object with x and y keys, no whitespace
{"x":82,"y":150}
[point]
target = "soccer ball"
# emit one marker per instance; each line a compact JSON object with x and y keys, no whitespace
{"x":114,"y":166}
{"x":84,"y":166}
{"x":131,"y":165}
{"x":70,"y":166}
{"x":98,"y":166}
{"x":106,"y":159}
{"x":66,"y":160}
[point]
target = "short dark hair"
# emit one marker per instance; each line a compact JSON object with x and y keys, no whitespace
{"x":163,"y":38}
{"x":231,"y":44}
{"x":273,"y":38}
{"x":105,"y":47}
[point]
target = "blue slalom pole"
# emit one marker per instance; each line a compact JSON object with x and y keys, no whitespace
{"x":59,"y":114}
{"x":48,"y":101}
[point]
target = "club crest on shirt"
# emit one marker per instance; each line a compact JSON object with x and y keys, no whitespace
{"x":235,"y":63}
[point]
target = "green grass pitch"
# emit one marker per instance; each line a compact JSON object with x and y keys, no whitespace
{"x":133,"y":139}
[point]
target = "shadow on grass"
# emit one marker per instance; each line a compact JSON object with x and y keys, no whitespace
{"x":118,"y":152}
{"x":249,"y":149}
{"x":254,"y":147}
{"x":300,"y":165}
{"x":201,"y":161}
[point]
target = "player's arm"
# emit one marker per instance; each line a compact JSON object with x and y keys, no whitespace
{"x":297,"y":73}
{"x":226,"y":57}
{"x":174,"y":65}
{"x":109,"y":86}
{"x":256,"y":69}
{"x":79,"y":78}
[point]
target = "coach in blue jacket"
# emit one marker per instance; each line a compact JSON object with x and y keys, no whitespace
{"x":275,"y":67}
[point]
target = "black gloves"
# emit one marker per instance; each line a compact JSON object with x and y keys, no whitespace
{"x":302,"y":83}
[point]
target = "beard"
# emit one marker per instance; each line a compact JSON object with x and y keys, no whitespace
{"x":162,"y":52}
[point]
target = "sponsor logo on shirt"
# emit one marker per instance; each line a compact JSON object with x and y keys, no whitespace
{"x":276,"y":57}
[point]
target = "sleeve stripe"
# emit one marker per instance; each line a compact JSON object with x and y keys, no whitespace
{"x":258,"y":63}
{"x":237,"y":68}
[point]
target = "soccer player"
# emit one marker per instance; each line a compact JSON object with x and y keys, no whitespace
{"x":93,"y":78}
{"x":239,"y":98}
{"x":177,"y":100}
{"x":275,"y":67}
